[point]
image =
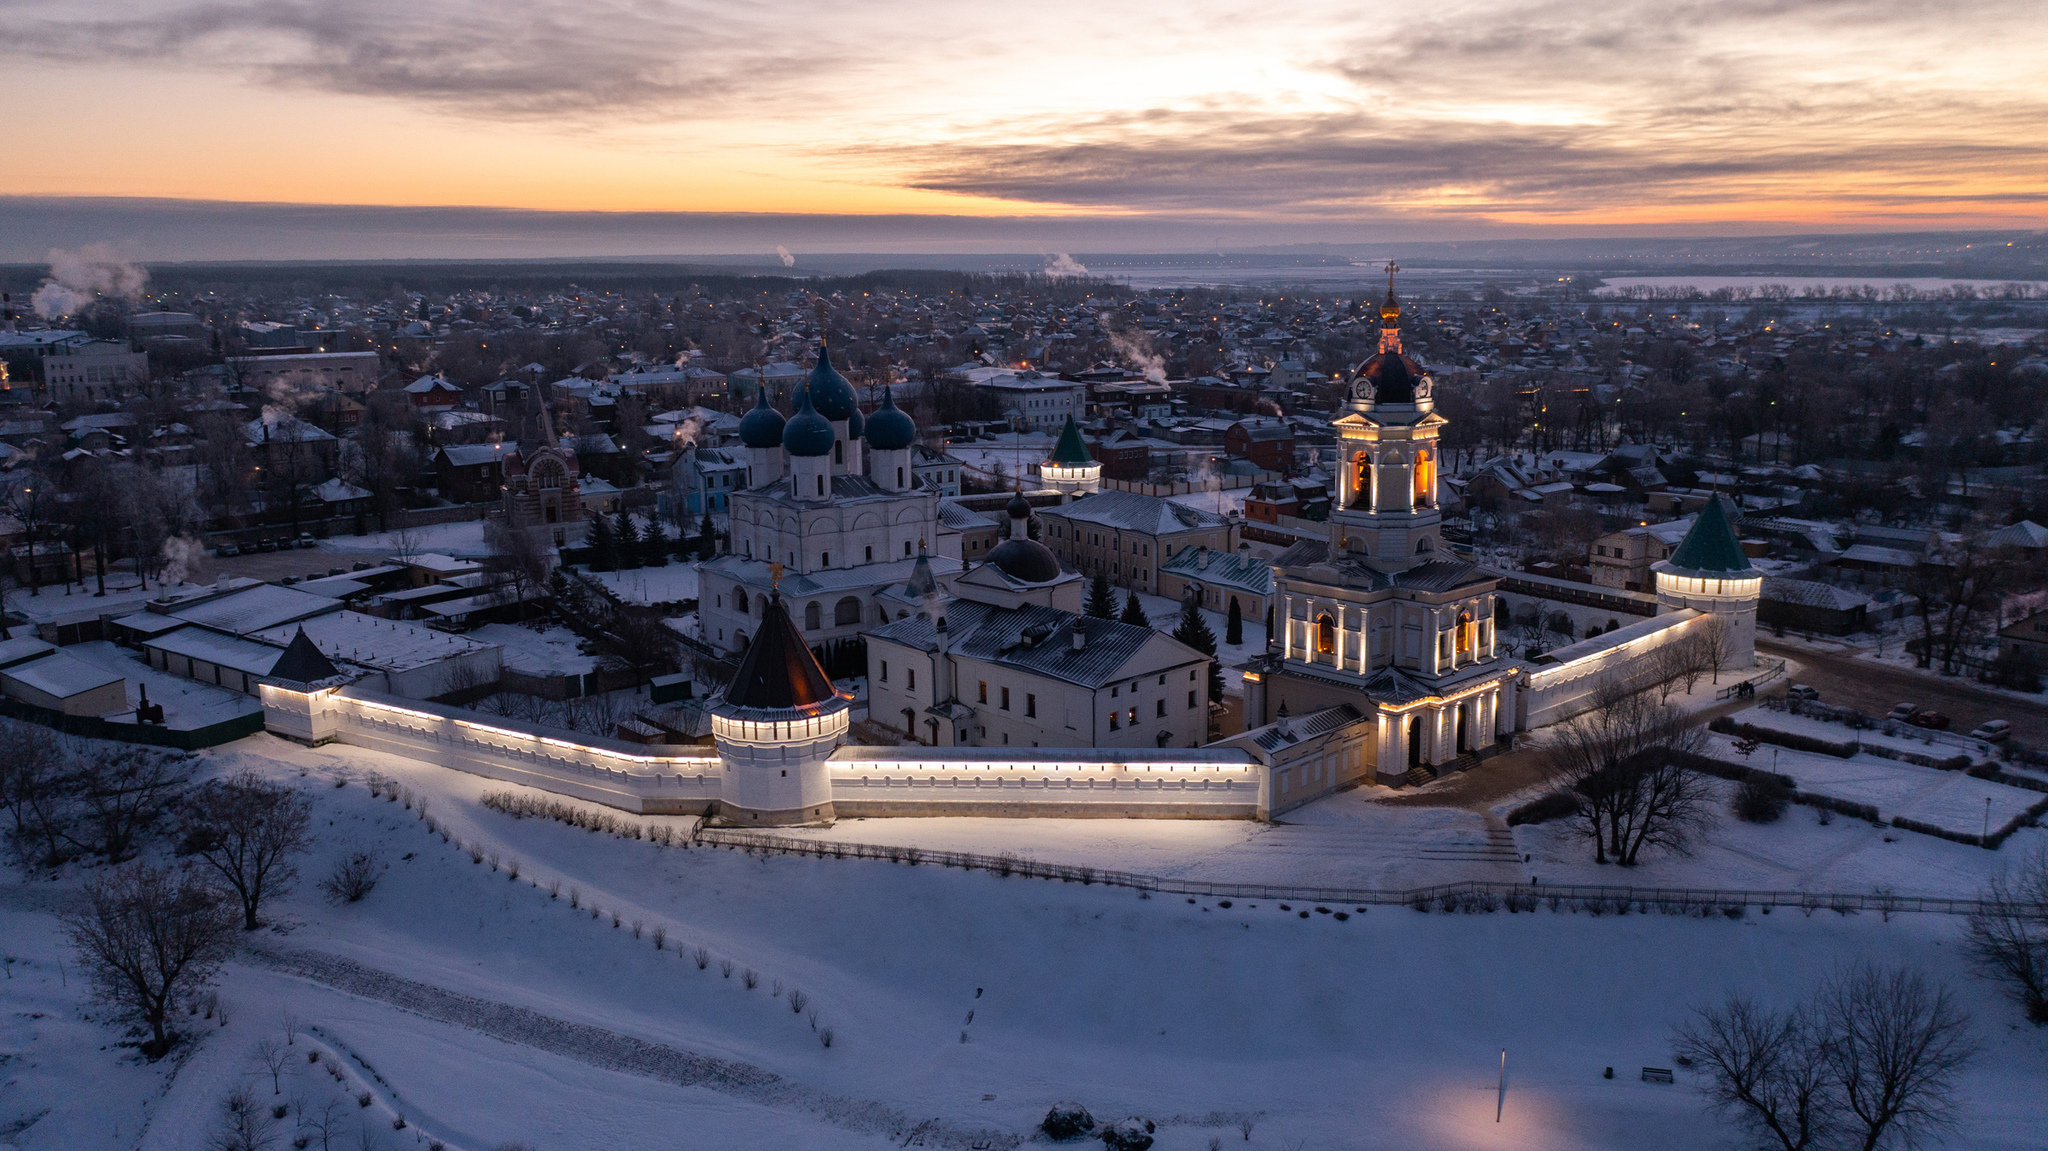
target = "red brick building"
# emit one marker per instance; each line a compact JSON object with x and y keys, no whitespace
{"x":1268,"y":445}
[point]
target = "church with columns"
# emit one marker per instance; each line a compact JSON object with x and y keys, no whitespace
{"x":1380,"y":611}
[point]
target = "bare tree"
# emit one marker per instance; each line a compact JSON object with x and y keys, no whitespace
{"x":275,"y":1058}
{"x":323,"y":1124}
{"x":1766,"y":1066}
{"x":34,"y":766}
{"x":2009,"y":937}
{"x":250,"y":831}
{"x":1622,"y":762}
{"x":150,"y":938}
{"x":639,"y":642}
{"x":1896,"y":1044}
{"x":406,"y":543}
{"x":1716,"y":646}
{"x":243,"y":1125}
{"x":521,"y":557}
{"x":124,"y":788}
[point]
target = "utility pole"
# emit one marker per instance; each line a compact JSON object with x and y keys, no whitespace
{"x":1500,"y":1101}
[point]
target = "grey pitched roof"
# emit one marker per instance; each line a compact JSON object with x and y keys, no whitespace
{"x":996,"y":635}
{"x":1302,"y":553}
{"x":959,"y":518}
{"x":1308,"y":726}
{"x":469,"y":455}
{"x":1131,"y":512}
{"x":1223,"y":568}
{"x":1811,"y":593}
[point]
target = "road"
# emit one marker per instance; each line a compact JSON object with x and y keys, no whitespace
{"x":1873,"y":688}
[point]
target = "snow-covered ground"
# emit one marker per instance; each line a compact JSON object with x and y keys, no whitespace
{"x":556,"y":650}
{"x":964,"y":1001}
{"x":1164,"y":614}
{"x":671,"y":584}
{"x":1947,"y":799}
{"x":461,"y":539}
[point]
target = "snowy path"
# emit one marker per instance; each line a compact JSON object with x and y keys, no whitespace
{"x":612,"y":1051}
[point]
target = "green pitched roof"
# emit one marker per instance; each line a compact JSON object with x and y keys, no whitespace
{"x":1071,"y":450}
{"x":1711,"y":545}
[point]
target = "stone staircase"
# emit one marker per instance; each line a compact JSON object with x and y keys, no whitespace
{"x":1418,"y":775}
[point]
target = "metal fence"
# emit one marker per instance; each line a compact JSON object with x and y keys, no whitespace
{"x":1461,"y":895}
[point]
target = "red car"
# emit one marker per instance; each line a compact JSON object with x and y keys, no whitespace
{"x":1933,"y":719}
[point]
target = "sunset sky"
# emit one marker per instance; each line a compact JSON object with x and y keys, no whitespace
{"x":1449,"y":117}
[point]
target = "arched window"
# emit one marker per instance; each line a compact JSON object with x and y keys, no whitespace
{"x":846,"y":611}
{"x":1425,"y":477}
{"x":739,"y":640}
{"x":1423,"y":546}
{"x":811,"y":615}
{"x":1468,"y":633}
{"x":1326,"y":634}
{"x":1361,"y":484}
{"x":547,"y":474}
{"x":739,"y":599}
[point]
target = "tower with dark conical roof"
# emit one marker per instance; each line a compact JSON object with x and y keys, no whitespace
{"x":1070,"y":470}
{"x":776,"y":726}
{"x":1710,"y":573}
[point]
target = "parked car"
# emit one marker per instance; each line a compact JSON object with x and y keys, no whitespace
{"x":306,"y":540}
{"x":226,"y":550}
{"x":1992,"y":731}
{"x":1929,"y":719}
{"x":1801,"y":691}
{"x":1904,"y":711}
{"x":266,"y":545}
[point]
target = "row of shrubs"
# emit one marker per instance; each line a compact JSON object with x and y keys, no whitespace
{"x":1793,"y":740}
{"x":532,"y":807}
{"x":1996,"y":839}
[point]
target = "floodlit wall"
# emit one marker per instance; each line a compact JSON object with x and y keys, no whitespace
{"x":1049,"y":782}
{"x":1202,"y":783}
{"x":1558,"y":691}
{"x":603,"y":771}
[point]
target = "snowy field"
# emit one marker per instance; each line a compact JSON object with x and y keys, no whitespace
{"x":672,"y":584}
{"x":960,"y":1001}
{"x":1947,"y":799}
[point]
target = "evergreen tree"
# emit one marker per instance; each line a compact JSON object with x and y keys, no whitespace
{"x":707,"y":538}
{"x":1134,"y":612}
{"x":1101,"y":604}
{"x":603,"y":545}
{"x":1233,"y":632}
{"x":1195,"y":632}
{"x":654,"y":547}
{"x":628,"y":537}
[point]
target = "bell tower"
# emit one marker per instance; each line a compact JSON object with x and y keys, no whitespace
{"x":1388,"y":457}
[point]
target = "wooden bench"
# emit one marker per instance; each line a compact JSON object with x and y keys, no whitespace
{"x":1657,"y":1075}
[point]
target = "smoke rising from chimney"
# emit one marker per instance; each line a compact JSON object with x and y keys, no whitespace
{"x":782,"y":253}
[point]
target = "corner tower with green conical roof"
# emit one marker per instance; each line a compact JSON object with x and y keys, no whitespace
{"x":1070,"y":470}
{"x":1710,"y":573}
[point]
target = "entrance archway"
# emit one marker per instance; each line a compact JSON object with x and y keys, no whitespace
{"x":1415,"y":742}
{"x":1464,"y":714}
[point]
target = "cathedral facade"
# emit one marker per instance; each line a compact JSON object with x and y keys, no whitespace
{"x":833,"y":503}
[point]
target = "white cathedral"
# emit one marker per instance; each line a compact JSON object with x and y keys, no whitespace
{"x":832,"y":504}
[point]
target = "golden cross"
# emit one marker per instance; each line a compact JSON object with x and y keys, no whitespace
{"x":775,"y":577}
{"x":1392,"y":267}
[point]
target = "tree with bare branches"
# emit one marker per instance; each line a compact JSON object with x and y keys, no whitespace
{"x":2009,"y":936}
{"x":1870,"y":1060}
{"x":251,"y":832}
{"x":150,"y":937}
{"x":522,"y":558}
{"x":1622,"y":763}
{"x":1766,"y":1066}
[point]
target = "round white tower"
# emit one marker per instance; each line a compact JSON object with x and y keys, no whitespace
{"x":776,"y":729}
{"x":1070,"y":470}
{"x":1710,"y":573}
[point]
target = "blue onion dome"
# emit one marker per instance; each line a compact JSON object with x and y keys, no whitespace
{"x":890,"y":429}
{"x":856,"y":425}
{"x":808,"y":433}
{"x":830,"y":392}
{"x":762,"y":427}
